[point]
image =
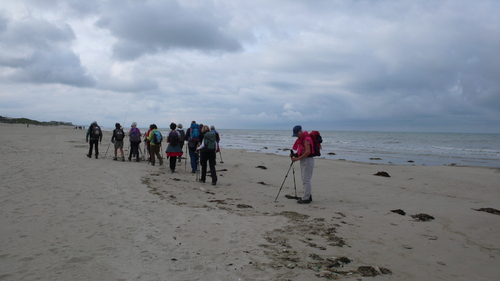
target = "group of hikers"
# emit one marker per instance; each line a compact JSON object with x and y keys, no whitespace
{"x":202,"y":143}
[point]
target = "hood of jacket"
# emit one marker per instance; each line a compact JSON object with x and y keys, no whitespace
{"x":210,"y":136}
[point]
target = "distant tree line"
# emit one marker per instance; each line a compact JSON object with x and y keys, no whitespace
{"x":32,"y":122}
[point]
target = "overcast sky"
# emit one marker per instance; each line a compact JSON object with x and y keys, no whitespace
{"x":391,"y":65}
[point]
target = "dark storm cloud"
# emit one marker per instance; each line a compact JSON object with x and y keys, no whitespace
{"x":36,"y":51}
{"x":148,"y":27}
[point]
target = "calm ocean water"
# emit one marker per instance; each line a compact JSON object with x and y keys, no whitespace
{"x":380,"y":147}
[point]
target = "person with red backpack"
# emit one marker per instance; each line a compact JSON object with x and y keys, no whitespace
{"x":304,"y":147}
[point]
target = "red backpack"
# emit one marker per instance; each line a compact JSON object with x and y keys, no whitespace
{"x":317,"y":140}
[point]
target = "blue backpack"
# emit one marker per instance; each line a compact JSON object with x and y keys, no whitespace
{"x":195,"y":134}
{"x":157,"y":138}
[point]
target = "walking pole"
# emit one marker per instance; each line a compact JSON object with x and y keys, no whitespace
{"x":276,"y":200}
{"x":197,"y":166}
{"x":185,"y":158}
{"x":220,"y":152}
{"x":107,"y":150}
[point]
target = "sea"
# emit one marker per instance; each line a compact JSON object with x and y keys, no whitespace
{"x":400,"y":148}
{"x":431,"y":149}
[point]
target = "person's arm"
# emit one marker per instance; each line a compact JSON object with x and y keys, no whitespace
{"x":306,"y":153}
{"x":88,"y":134}
{"x":202,"y":145}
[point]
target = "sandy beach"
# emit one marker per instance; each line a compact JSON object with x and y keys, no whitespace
{"x":68,"y":217}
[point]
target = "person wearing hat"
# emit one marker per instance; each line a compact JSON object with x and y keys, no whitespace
{"x":117,"y":140}
{"x":182,"y":137}
{"x":303,"y":148}
{"x":135,"y":140}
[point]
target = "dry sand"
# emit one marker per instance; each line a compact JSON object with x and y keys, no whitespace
{"x":67,"y":217}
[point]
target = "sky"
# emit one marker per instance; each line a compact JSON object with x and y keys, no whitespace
{"x":357,"y":65}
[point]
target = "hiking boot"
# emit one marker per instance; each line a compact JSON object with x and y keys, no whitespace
{"x":137,"y":160}
{"x":89,"y":156}
{"x":96,"y":156}
{"x":302,"y":201}
{"x":115,"y":159}
{"x":123,"y":158}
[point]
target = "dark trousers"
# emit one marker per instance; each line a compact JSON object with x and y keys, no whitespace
{"x":209,"y":156}
{"x":173,"y":160}
{"x":155,"y":151}
{"x":134,"y":150}
{"x":93,"y":143}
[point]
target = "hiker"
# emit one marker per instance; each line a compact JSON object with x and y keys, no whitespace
{"x":217,"y":137}
{"x":117,"y":140}
{"x":208,"y":149}
{"x":155,"y":144}
{"x":182,"y":138}
{"x":303,"y":146}
{"x":95,"y":134}
{"x":147,"y":143}
{"x":135,"y":140}
{"x":192,"y":137}
{"x":174,"y":148}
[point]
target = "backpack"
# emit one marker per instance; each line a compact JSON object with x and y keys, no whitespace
{"x":119,"y":134}
{"x":195,"y":134}
{"x":135,"y":135}
{"x":317,"y":140}
{"x":157,"y":137}
{"x":182,"y":135}
{"x":210,"y":143}
{"x":96,"y":131}
{"x":173,"y":138}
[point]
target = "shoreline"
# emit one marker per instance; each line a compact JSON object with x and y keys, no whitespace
{"x":69,"y":217}
{"x":377,"y":156}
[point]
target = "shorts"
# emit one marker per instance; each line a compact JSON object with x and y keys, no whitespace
{"x":118,"y":144}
